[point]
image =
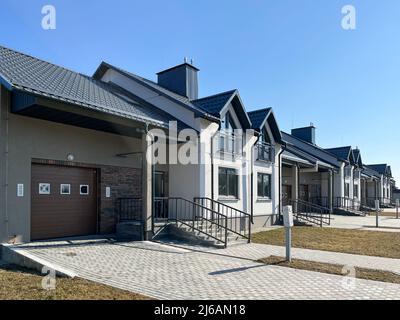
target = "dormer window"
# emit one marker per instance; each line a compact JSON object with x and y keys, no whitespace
{"x":265,"y":137}
{"x":264,"y":150}
{"x":228,"y":143}
{"x":228,"y":124}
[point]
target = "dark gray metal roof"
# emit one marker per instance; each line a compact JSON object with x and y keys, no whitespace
{"x":258,"y":117}
{"x":293,"y":157}
{"x":184,"y":101}
{"x":382,"y":169}
{"x":370,"y":172}
{"x":311,"y":149}
{"x":215,"y":103}
{"x":357,"y":157}
{"x":342,"y":153}
{"x":34,"y":76}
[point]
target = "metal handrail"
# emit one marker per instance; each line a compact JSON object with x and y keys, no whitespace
{"x":239,"y":221}
{"x":347,"y":203}
{"x":310,"y":212}
{"x":265,"y":152}
{"x":197,"y":217}
{"x":321,"y":201}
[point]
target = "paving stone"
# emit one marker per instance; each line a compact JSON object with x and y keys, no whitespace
{"x":174,"y":273}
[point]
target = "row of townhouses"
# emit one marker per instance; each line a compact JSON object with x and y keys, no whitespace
{"x":74,"y":158}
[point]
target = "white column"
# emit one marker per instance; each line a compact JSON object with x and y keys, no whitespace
{"x":330,"y":190}
{"x":147,"y":187}
{"x":295,"y":182}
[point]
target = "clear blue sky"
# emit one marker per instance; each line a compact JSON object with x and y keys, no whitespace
{"x":292,"y":55}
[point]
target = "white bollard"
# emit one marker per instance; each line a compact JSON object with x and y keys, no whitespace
{"x":377,"y":209}
{"x":288,"y":223}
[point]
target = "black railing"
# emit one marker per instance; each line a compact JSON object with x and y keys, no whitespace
{"x":238,"y":222}
{"x":320,"y":201}
{"x":309,"y":212}
{"x":195,"y":216}
{"x":160,"y":208}
{"x":347,"y":204}
{"x":265,"y":152}
{"x":368,"y":203}
{"x":130,"y":209}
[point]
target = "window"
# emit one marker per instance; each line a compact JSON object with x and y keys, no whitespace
{"x":228,"y":142}
{"x":44,"y":188}
{"x":228,"y":182}
{"x":83,"y":189}
{"x":347,"y":172}
{"x":347,"y":190}
{"x":265,"y":136}
{"x":227,"y":123}
{"x":264,"y":185}
{"x":65,"y":189}
{"x":355,"y":191}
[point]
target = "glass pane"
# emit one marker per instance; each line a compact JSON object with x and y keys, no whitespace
{"x":232,"y":184}
{"x":260,"y":191}
{"x":267,"y":185}
{"x":223,"y":190}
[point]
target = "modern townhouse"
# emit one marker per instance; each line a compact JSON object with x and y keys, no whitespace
{"x":115,"y":152}
{"x":384,"y":192}
{"x":74,"y":154}
{"x":395,"y":195}
{"x":351,"y":176}
{"x":370,"y":181}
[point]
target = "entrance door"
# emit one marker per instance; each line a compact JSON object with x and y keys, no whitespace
{"x":63,"y":202}
{"x":286,"y":194}
{"x":303,"y":192}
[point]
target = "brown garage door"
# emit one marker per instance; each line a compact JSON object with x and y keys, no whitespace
{"x":64,"y":202}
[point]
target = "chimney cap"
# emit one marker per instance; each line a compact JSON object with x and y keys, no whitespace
{"x":178,"y":66}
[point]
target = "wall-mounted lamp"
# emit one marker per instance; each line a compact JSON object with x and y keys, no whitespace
{"x":70,"y":157}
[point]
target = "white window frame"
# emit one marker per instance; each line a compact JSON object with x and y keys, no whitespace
{"x":44,"y":184}
{"x":80,"y":189}
{"x":61,"y":189}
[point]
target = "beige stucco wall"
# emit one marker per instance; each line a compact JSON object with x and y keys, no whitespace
{"x":29,"y":139}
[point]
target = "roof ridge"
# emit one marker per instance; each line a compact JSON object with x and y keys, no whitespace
{"x":42,"y":60}
{"x":345,"y":147}
{"x":215,"y":95}
{"x":259,"y":110}
{"x":160,"y":89}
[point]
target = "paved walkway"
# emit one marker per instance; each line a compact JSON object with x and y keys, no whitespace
{"x":257,"y":251}
{"x":167,"y":272}
{"x":388,"y":224}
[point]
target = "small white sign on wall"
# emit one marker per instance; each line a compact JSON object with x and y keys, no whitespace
{"x":20,"y":190}
{"x":108,"y":192}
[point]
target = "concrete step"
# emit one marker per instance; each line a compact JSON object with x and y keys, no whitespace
{"x":348,"y":212}
{"x":202,"y":236}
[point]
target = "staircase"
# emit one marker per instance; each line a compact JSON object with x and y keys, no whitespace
{"x":348,"y":207}
{"x":201,"y":221}
{"x":310,"y":213}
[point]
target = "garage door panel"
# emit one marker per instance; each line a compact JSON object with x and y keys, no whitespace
{"x":63,"y":215}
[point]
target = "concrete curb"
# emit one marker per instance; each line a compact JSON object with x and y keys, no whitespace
{"x":24,"y":259}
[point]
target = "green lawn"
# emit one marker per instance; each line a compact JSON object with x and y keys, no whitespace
{"x":371,"y":243}
{"x":360,"y":273}
{"x":21,"y":284}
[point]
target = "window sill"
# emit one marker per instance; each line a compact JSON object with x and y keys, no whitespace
{"x":264,"y":199}
{"x":228,"y":199}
